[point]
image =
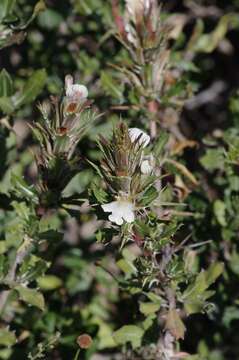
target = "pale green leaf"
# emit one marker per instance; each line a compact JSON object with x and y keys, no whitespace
{"x":219,"y":208}
{"x":149,"y":308}
{"x":49,"y":282}
{"x":129,"y":334}
{"x":31,"y":296}
{"x":7,"y":338}
{"x":6,"y":105}
{"x":32,"y":88}
{"x":126,"y":266}
{"x":213,"y":159}
{"x":214,"y":271}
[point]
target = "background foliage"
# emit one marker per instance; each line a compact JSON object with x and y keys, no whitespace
{"x":76,"y":37}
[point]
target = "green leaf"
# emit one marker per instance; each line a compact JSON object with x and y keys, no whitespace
{"x":126,"y":266}
{"x":50,"y":19}
{"x":31,"y":296}
{"x":99,"y":193}
{"x":204,"y":280}
{"x":6,"y":105}
{"x":22,"y":210}
{"x":6,"y":84}
{"x":209,"y":42}
{"x":193,"y":306}
{"x":149,"y":196}
{"x":231,"y":314}
{"x":3,"y":247}
{"x":213,"y":159}
{"x":219,"y":208}
{"x":128,"y":254}
{"x":6,"y":8}
{"x":154,"y":298}
{"x":7,"y":338}
{"x":22,"y":187}
{"x":195,"y":294}
{"x":149,"y":308}
{"x":33,"y":267}
{"x":234,"y":263}
{"x":32,"y":88}
{"x":191,"y":261}
{"x":162,"y":140}
{"x":3,"y":266}
{"x":176,"y":89}
{"x":109,"y":85}
{"x":129,"y":334}
{"x":148,"y":322}
{"x":49,"y":282}
{"x":51,"y":235}
{"x":214,"y":271}
{"x":175,"y":325}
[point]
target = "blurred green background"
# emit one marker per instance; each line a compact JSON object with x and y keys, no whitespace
{"x":76,"y":37}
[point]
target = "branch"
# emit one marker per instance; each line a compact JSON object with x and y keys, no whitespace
{"x":21,"y":254}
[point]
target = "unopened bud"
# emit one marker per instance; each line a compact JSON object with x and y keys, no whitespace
{"x":84,"y":341}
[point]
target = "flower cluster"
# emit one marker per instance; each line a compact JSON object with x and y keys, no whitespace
{"x":144,"y":35}
{"x":58,"y":134}
{"x":151,"y":73}
{"x":126,"y":170}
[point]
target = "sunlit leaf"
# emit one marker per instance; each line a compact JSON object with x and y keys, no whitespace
{"x":129,"y":334}
{"x":31,"y":296}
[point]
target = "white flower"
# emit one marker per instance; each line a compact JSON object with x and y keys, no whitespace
{"x":137,"y":134}
{"x":75,"y":92}
{"x":146,"y":167}
{"x":131,"y":34}
{"x":147,"y":164}
{"x":135,"y":7}
{"x":121,"y":210}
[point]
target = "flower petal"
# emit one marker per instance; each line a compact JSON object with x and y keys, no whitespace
{"x":120,"y":210}
{"x":76,"y":92}
{"x":146,"y":168}
{"x":115,"y":219}
{"x":129,"y":216}
{"x":140,"y":136}
{"x":110,"y":207}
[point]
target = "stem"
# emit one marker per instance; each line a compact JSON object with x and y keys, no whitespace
{"x":21,"y":254}
{"x":77,"y":355}
{"x":153,"y":109}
